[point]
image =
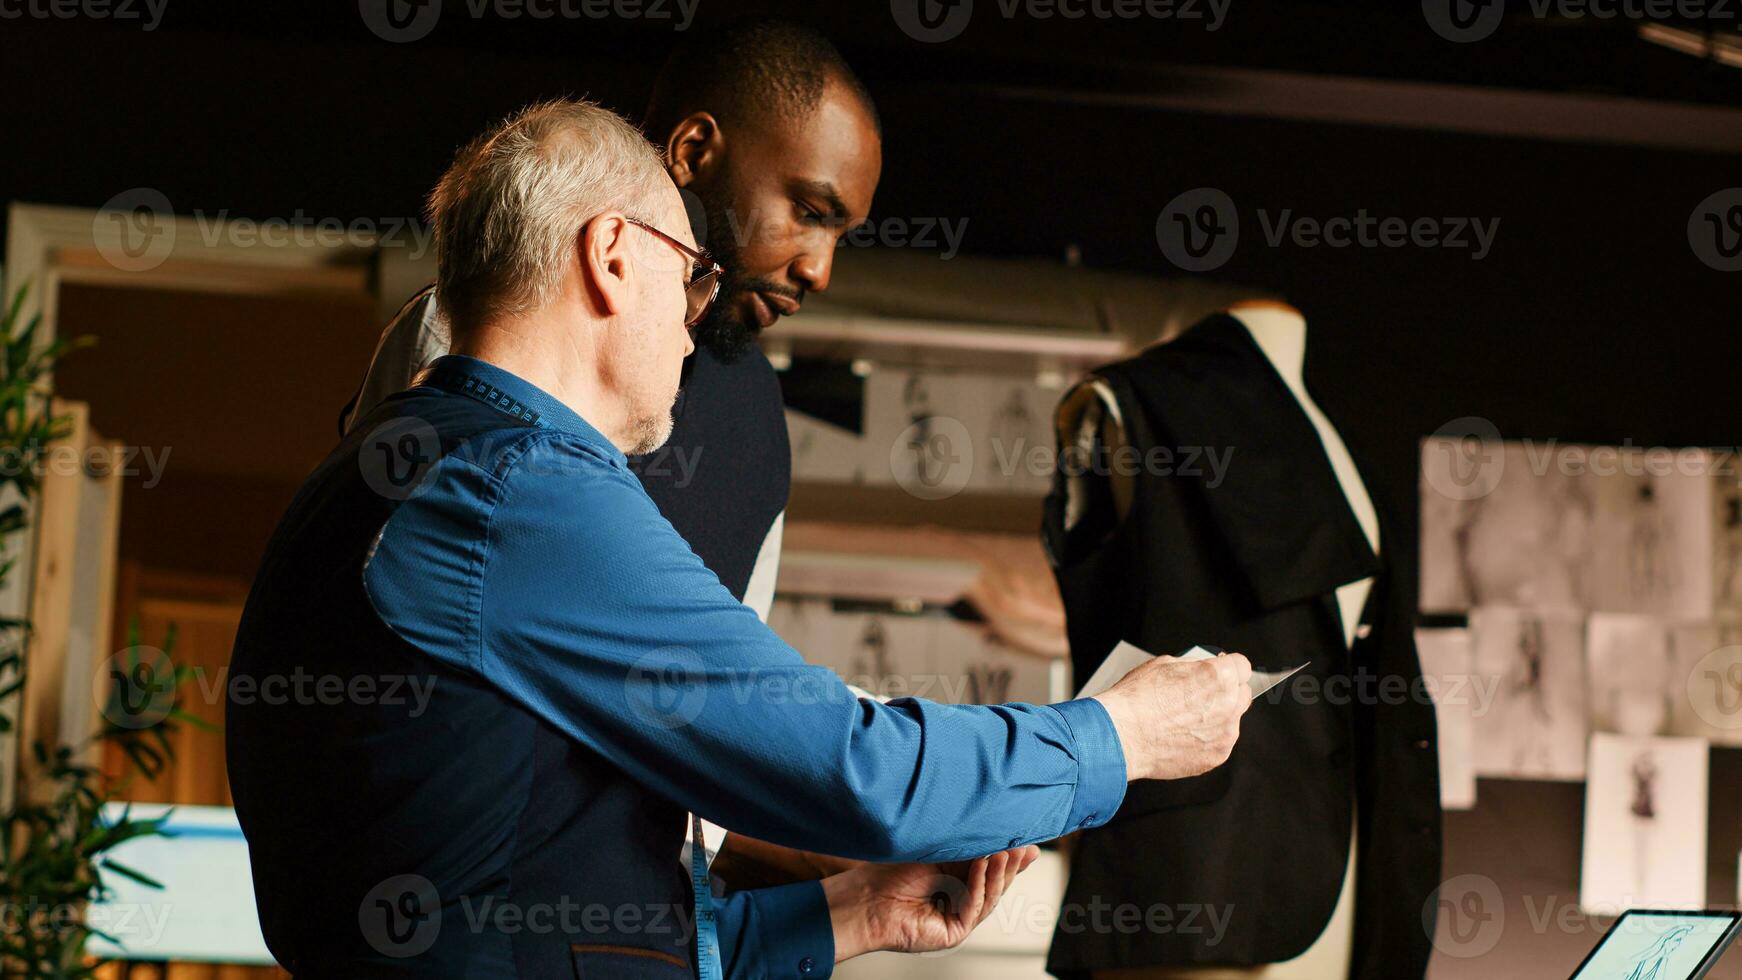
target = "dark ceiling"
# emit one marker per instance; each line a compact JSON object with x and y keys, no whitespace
{"x":1560,"y":50}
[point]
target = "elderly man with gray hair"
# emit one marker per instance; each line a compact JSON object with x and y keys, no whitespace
{"x":589,"y":680}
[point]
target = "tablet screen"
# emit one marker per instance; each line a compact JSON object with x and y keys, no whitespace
{"x":1656,"y":946}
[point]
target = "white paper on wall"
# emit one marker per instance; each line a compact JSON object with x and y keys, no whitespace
{"x":1629,"y":670}
{"x":1444,"y":585}
{"x":1653,"y":541}
{"x":1645,"y":824}
{"x":978,"y":668}
{"x":800,"y":622}
{"x":1706,"y":681}
{"x":1533,"y":663}
{"x":888,"y":654}
{"x":1513,"y":529}
{"x":941,"y":433}
{"x":1447,"y":667}
{"x":1727,"y":532}
{"x":822,"y":451}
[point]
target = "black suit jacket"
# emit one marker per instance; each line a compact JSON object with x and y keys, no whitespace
{"x":1243,"y":865}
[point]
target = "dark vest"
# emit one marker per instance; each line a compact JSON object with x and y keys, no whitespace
{"x":1249,"y":563}
{"x":496,"y":847}
{"x":724,"y":475}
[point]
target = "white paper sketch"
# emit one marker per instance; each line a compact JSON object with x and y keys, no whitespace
{"x":1534,"y":660}
{"x":1525,"y":542}
{"x":1706,"y":681}
{"x":1653,"y":541}
{"x":1645,"y":824}
{"x":1727,"y":531}
{"x":1447,"y":666}
{"x":956,"y":431}
{"x":822,"y":451}
{"x":1630,"y":673}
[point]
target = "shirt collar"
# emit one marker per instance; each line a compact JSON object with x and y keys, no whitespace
{"x":511,"y":395}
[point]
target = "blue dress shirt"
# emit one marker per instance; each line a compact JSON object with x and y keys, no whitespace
{"x":532,"y":558}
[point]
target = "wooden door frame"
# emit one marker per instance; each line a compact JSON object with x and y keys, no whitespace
{"x":136,"y":243}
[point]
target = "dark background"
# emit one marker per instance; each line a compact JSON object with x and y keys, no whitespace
{"x":1591,"y":319}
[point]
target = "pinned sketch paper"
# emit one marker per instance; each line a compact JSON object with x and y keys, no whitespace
{"x":1653,"y":541}
{"x":1706,"y":681}
{"x":1448,"y":667}
{"x":1537,"y":723}
{"x":1628,"y":668}
{"x":1645,"y":824}
{"x":1127,"y":657}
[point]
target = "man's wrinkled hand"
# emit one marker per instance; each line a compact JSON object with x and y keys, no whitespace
{"x":1179,"y":718}
{"x":918,"y":908}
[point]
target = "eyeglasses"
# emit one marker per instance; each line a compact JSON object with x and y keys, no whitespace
{"x":704,"y":282}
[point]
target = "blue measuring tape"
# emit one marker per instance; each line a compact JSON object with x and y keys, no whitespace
{"x":707,"y":929}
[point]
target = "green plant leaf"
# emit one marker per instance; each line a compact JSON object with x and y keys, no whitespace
{"x":109,"y":864}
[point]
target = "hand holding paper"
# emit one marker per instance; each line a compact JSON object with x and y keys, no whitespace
{"x":1127,"y":657}
{"x":1176,"y":716}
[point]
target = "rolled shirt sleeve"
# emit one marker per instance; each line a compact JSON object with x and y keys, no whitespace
{"x":535,"y":560}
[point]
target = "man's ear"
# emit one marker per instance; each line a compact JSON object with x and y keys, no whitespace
{"x":607,"y":274}
{"x":694,"y":148}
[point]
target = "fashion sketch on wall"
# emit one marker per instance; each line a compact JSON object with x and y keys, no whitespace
{"x":1652,"y":543}
{"x":1727,"y":555}
{"x":1645,"y":824}
{"x":1630,"y":673}
{"x":1523,"y":538}
{"x":1706,"y":681}
{"x":1536,"y":725}
{"x":934,"y":429}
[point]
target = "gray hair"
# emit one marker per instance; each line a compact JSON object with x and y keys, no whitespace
{"x":507,"y":211}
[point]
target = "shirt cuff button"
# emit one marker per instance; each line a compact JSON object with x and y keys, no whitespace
{"x":806,"y":967}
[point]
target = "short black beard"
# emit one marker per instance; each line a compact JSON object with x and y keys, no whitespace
{"x":724,"y":331}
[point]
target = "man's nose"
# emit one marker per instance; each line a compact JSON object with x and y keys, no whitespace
{"x":812,"y":269}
